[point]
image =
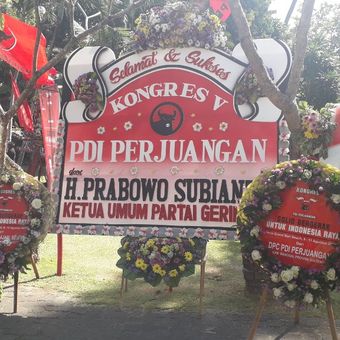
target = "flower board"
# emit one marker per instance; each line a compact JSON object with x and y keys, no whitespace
{"x":158,"y":259}
{"x":289,"y":220}
{"x":26,"y":213}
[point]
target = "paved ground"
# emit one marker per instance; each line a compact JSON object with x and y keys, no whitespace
{"x":45,"y":315}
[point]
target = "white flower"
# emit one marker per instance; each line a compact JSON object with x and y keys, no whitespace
{"x":95,"y":171}
{"x":307,"y":174}
{"x":275,"y":277}
{"x":183,"y":232}
{"x":314,"y":284}
{"x":223,"y":126}
{"x":280,"y":184}
{"x":335,"y":198}
{"x":17,"y":186}
{"x":174,"y":170}
{"x":199,"y":232}
{"x":197,"y":127}
{"x":291,"y":286}
{"x":219,"y":170}
{"x":134,"y":170}
{"x":128,"y":126}
{"x":169,"y":232}
{"x":157,"y":27}
{"x":295,"y":270}
{"x":190,"y":42}
{"x":267,"y":206}
{"x":118,"y":231}
{"x":207,"y":46}
{"x":255,"y":231}
{"x":331,"y":274}
{"x":213,"y":234}
{"x":35,"y":222}
{"x":223,"y":235}
{"x":197,"y":43}
{"x":287,"y":275}
{"x":35,"y":233}
{"x":36,"y":203}
{"x":256,"y":255}
{"x":131,"y":231}
{"x":277,"y":292}
{"x":290,"y":303}
{"x":6,"y":241}
{"x":78,"y":229}
{"x":101,"y":130}
{"x":308,"y":298}
{"x":154,"y":231}
{"x":4,"y":178}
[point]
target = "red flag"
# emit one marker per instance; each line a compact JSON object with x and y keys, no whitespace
{"x":221,"y":8}
{"x":17,"y":48}
{"x":24,"y":111}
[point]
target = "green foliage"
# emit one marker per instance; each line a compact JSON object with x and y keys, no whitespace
{"x":321,"y":75}
{"x":262,"y":23}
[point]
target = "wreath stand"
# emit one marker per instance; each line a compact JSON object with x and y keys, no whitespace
{"x":263,"y":300}
{"x":202,"y":264}
{"x":16,"y":283}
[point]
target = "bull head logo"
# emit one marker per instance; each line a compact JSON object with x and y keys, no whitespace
{"x":305,"y":203}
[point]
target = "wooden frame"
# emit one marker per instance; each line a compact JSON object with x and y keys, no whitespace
{"x":260,"y":309}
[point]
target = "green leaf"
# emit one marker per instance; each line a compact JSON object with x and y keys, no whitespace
{"x":189,"y":270}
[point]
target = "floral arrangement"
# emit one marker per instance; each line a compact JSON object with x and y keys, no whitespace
{"x":156,"y":259}
{"x":247,"y":89}
{"x":178,"y":24}
{"x":317,"y":130}
{"x":40,"y":216}
{"x":292,"y":284}
{"x":86,"y":89}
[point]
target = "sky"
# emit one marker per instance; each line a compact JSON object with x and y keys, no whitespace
{"x":282,"y":6}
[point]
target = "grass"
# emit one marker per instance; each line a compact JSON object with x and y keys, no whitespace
{"x":90,"y":274}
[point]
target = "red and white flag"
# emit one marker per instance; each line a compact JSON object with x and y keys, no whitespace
{"x":17,"y":48}
{"x":221,"y":8}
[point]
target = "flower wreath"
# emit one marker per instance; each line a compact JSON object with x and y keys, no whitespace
{"x":156,"y":259}
{"x":317,"y":129}
{"x":294,"y":285}
{"x":86,"y":89}
{"x":178,"y":24}
{"x":40,"y":216}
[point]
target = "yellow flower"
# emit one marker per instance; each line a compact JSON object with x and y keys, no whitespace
{"x":181,"y":267}
{"x":310,"y":135}
{"x":150,"y":243}
{"x":139,"y":263}
{"x":156,"y":268}
{"x":202,"y":25}
{"x":173,"y":273}
{"x":128,"y":256}
{"x":165,"y":249}
{"x":188,"y":256}
{"x":215,"y":20}
{"x":162,"y":272}
{"x":144,"y":267}
{"x":126,"y":244}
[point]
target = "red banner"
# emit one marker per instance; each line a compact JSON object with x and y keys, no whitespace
{"x":50,"y":110}
{"x":303,"y":230}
